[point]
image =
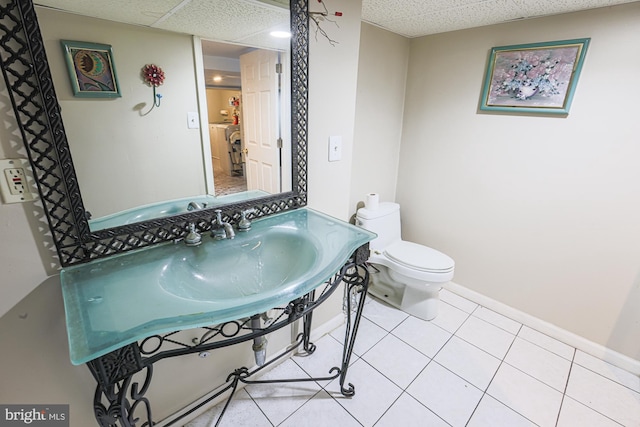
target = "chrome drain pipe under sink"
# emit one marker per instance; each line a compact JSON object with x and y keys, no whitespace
{"x":259,"y":343}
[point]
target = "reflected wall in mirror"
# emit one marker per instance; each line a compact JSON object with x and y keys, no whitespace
{"x":31,"y":87}
{"x":128,"y":153}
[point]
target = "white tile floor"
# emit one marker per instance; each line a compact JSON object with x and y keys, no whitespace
{"x":468,"y":367}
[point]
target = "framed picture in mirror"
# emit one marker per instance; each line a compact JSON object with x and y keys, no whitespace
{"x":91,"y":69}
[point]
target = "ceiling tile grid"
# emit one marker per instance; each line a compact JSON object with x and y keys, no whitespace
{"x":416,"y":18}
{"x":231,"y":20}
{"x":391,"y":10}
{"x":141,"y":12}
{"x":531,"y":8}
{"x":227,"y":20}
{"x":472,"y":14}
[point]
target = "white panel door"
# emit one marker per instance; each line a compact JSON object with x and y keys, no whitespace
{"x":260,"y":120}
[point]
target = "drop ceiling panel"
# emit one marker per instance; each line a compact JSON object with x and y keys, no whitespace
{"x":472,"y":14}
{"x":551,"y":7}
{"x":393,"y":10}
{"x":228,"y":20}
{"x":416,"y":18}
{"x":141,"y":12}
{"x":238,"y":20}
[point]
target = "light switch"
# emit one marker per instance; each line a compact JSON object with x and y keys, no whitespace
{"x":335,"y":148}
{"x":193,"y":122}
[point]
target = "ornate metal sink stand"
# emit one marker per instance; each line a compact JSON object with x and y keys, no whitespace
{"x":120,"y":400}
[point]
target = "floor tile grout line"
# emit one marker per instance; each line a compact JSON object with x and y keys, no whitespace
{"x":420,"y":403}
{"x":481,"y":349}
{"x":564,"y":394}
{"x":546,"y":349}
{"x":495,"y":326}
{"x":409,"y":344}
{"x":486,"y":391}
{"x":608,"y":378}
{"x":491,"y":323}
{"x":431,"y":359}
{"x":573,"y":362}
{"x":387,"y":410}
{"x":566,"y":385}
{"x":255,"y":402}
{"x":502,"y":361}
{"x":533,"y":377}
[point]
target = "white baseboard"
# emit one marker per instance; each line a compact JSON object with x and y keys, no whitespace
{"x":316,"y":334}
{"x":569,"y":338}
{"x":327,"y":327}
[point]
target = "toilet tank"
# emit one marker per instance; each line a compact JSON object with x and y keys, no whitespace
{"x":384,"y":221}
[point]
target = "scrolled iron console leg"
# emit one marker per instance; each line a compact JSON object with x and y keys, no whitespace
{"x":308,"y":346}
{"x":356,"y":286}
{"x":120,"y":411}
{"x":118,"y":397}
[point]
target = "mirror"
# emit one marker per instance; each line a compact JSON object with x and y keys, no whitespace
{"x":30,"y":86}
{"x":135,"y":150}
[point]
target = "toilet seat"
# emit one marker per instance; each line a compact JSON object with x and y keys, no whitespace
{"x":418,"y":257}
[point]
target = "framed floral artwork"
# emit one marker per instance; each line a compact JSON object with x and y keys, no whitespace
{"x":91,"y":69}
{"x":533,"y":78}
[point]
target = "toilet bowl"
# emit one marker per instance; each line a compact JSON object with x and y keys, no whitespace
{"x":407,"y":275}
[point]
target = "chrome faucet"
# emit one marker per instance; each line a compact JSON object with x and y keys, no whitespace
{"x":195,"y":206}
{"x":221,"y":230}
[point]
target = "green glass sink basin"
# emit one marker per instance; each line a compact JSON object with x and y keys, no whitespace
{"x":221,"y":271}
{"x":118,"y":300}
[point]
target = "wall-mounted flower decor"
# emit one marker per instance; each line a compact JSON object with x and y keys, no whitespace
{"x":154,"y":77}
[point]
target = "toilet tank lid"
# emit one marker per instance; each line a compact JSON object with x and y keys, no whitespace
{"x":384,"y":208}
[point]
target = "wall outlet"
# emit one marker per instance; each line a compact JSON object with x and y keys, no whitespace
{"x":13,"y":181}
{"x":335,"y":148}
{"x":16,"y":180}
{"x":193,"y":121}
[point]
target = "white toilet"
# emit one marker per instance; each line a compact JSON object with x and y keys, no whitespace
{"x":406,"y":275}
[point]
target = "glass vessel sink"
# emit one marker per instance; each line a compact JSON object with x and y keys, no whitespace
{"x":119,"y":300}
{"x":262,"y":262}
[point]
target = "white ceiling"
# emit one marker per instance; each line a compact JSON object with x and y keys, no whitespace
{"x":248,"y":21}
{"x":416,"y":18}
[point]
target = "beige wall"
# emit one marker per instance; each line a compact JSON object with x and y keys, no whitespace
{"x":116,"y":149}
{"x":218,"y":99}
{"x":540,"y":213}
{"x":34,"y":362}
{"x":333,"y":73}
{"x":382,"y":76}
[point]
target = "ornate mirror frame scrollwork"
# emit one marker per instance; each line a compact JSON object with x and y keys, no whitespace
{"x":30,"y":86}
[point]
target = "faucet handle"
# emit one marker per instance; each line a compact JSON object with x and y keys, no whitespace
{"x":217,"y":230}
{"x":218,"y":216}
{"x":244,"y":224}
{"x":193,"y":238}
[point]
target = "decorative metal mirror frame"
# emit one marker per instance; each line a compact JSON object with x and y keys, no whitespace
{"x":30,"y":86}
